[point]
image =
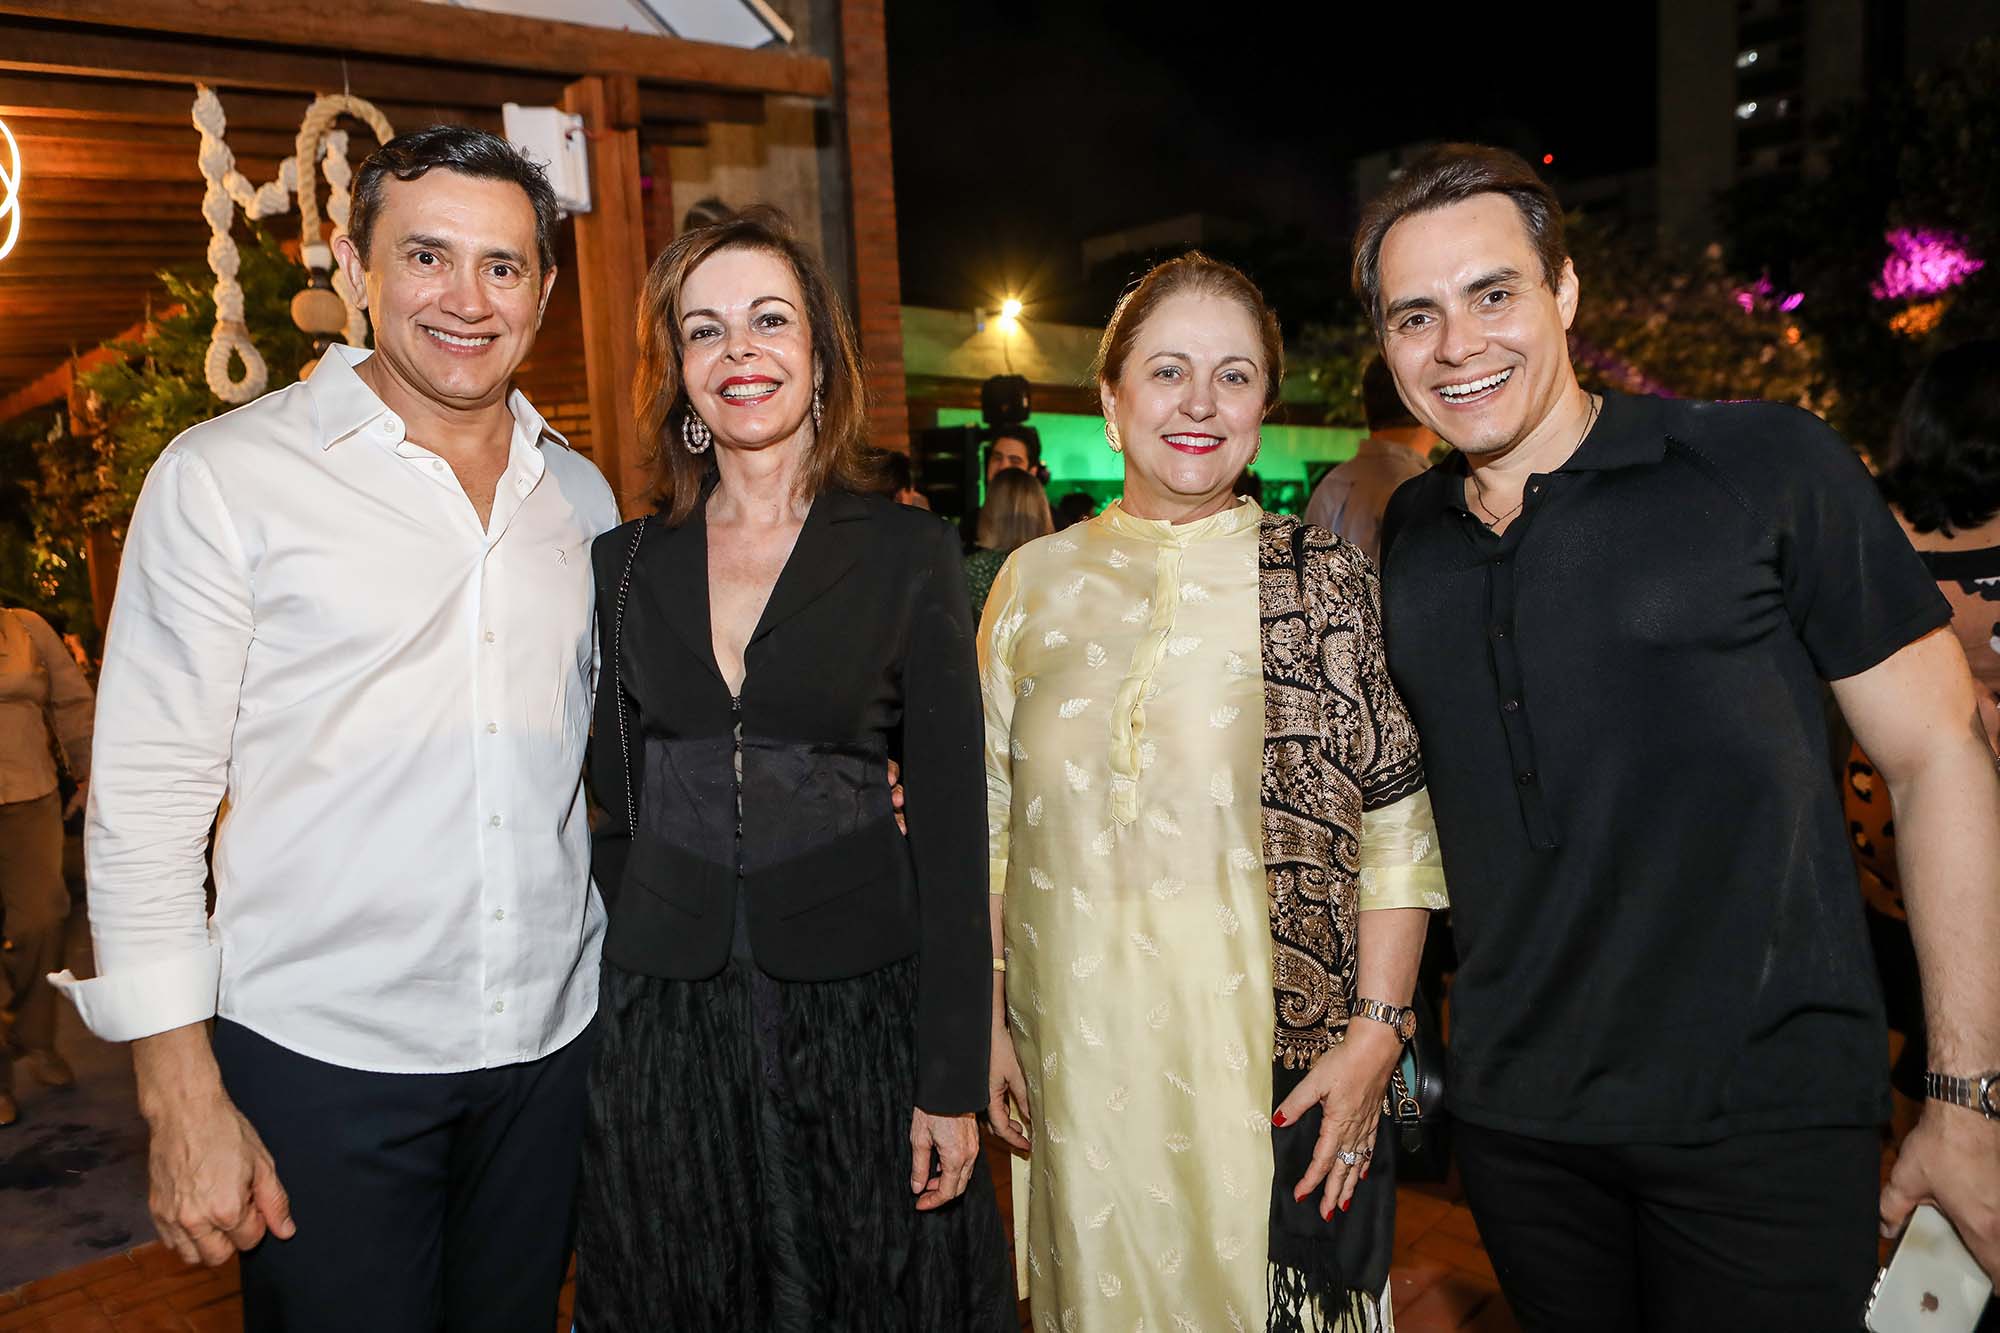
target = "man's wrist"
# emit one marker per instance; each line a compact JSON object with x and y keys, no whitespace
{"x":1978,"y":1093}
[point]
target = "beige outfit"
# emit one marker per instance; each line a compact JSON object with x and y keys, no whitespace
{"x":1351,"y":499}
{"x":1125,"y":707}
{"x":42,"y":694}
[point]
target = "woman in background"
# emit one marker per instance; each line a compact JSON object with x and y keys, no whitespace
{"x":43,"y":699}
{"x":1943,"y":484}
{"x":1015,"y":513}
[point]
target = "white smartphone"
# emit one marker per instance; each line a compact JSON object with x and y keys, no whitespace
{"x":1932,"y":1283}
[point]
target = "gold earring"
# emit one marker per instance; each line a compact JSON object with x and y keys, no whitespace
{"x":1111,"y":438}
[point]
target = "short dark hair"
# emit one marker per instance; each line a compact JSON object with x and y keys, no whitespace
{"x":1451,"y":174}
{"x":1944,"y":459}
{"x":1029,"y":436}
{"x":1382,"y":407}
{"x":462,"y":149}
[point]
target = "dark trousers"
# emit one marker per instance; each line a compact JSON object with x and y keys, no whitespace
{"x":1756,"y":1231}
{"x":424,"y":1202}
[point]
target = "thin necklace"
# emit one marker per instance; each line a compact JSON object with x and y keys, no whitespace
{"x":1478,"y":499}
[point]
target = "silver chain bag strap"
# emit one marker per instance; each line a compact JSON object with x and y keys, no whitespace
{"x":618,"y":677}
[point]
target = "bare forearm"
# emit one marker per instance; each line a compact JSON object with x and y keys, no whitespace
{"x":1390,"y":944}
{"x":996,"y":901}
{"x":1948,"y":852}
{"x":176,"y":1070}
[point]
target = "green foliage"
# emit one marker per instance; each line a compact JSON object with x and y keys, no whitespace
{"x":1923,"y":154}
{"x":57,"y":484}
{"x":1652,"y":321}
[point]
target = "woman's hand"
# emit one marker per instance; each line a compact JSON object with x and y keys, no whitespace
{"x":1347,"y":1082}
{"x":1004,"y":1081}
{"x":955,"y":1139}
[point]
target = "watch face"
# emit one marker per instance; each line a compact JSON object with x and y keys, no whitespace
{"x":1406,"y":1026}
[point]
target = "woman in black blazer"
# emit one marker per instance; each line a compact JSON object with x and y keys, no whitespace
{"x":797,"y":998}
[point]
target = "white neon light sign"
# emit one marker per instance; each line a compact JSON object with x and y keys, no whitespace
{"x":10,"y":190}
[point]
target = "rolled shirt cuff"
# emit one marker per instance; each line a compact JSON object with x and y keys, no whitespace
{"x":150,"y":998}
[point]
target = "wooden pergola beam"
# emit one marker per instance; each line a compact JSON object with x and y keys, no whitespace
{"x":412,"y":30}
{"x":55,"y":385}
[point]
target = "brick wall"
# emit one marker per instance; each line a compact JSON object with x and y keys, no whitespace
{"x":864,"y":83}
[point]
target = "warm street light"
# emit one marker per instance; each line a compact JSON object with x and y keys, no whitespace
{"x":1010,"y":308}
{"x":10,"y":190}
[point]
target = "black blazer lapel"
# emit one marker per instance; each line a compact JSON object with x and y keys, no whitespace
{"x":674,"y":572}
{"x":827,"y":548}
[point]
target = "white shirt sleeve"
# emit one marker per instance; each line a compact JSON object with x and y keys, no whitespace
{"x":167,"y":699}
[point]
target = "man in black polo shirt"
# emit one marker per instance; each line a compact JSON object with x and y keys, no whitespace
{"x":1611,"y":617}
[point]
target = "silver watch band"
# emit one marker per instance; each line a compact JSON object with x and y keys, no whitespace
{"x":1975,"y":1093}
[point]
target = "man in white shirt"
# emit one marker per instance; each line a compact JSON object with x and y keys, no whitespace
{"x":359,"y":611}
{"x":1352,"y":498}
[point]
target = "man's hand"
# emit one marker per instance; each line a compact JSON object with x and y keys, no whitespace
{"x":956,"y":1141}
{"x":215,"y":1189}
{"x":1951,"y":1158}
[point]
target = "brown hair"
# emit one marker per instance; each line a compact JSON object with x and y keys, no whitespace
{"x":1016,"y":511}
{"x":838,"y":455}
{"x":1192,"y":272}
{"x":1451,"y":174}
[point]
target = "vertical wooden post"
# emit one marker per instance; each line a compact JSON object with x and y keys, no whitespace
{"x":862,"y":86}
{"x":610,"y":270}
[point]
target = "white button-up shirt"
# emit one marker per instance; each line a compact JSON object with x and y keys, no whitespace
{"x":393,"y":699}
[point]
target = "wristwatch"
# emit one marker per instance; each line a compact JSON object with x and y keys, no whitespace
{"x":1402,"y":1018}
{"x":1976,"y":1093}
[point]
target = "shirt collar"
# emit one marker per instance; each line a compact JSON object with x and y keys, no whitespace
{"x":346,"y":404}
{"x":1245,"y":513}
{"x":1628,"y":432}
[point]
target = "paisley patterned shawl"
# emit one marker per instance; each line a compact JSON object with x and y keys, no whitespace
{"x":1338,"y":743}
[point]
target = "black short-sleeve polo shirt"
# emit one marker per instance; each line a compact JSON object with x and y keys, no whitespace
{"x":1620,"y":699}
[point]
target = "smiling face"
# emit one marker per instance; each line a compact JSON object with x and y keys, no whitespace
{"x":746,"y":350}
{"x":1188,"y":405}
{"x":452,"y":286}
{"x":1476,"y":338}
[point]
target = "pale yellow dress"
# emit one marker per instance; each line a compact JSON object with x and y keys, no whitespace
{"x":1124,"y":708}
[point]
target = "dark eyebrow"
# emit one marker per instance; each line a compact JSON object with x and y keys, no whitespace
{"x":1497,"y":277}
{"x":704,"y":310}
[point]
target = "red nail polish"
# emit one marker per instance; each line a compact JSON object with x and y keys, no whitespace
{"x":1298,"y":1196}
{"x":1327,"y":1215}
{"x":1364,"y":1173}
{"x":1278,"y":1119}
{"x":1344,"y":1203}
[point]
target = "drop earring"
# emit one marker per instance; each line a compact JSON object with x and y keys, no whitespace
{"x":818,"y":409}
{"x":695,"y":433}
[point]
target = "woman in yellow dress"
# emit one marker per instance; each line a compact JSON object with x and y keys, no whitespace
{"x":1211,"y":847}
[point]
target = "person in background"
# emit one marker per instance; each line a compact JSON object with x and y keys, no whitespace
{"x":1350,"y":499}
{"x":1076,"y":507}
{"x":706,"y":211}
{"x":1943,"y":484}
{"x":359,"y":610}
{"x":899,"y":480}
{"x":1015,"y":513}
{"x":43,"y":698}
{"x":1014,"y":448}
{"x":1614,"y":619}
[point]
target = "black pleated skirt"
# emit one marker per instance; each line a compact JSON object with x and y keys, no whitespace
{"x":746,"y":1167}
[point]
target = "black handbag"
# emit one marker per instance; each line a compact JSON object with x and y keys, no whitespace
{"x":1416,"y":1101}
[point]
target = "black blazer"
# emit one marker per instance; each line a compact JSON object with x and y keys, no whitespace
{"x":864,"y":652}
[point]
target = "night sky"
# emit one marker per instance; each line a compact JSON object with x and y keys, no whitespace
{"x":1023,"y":127}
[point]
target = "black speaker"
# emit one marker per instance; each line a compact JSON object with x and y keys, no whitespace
{"x":946,"y":462}
{"x":1003,"y":400}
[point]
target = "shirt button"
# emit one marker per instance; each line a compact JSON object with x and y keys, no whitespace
{"x":499,"y":1006}
{"x":437,"y":467}
{"x":1499,"y":631}
{"x":388,"y":426}
{"x":1511,"y":706}
{"x":499,"y":914}
{"x":1526,"y":777}
{"x":495,"y":821}
{"x":492,"y":727}
{"x":489,"y":636}
{"x":1499,"y":560}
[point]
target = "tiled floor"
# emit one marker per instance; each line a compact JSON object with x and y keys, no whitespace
{"x":1442,"y":1281}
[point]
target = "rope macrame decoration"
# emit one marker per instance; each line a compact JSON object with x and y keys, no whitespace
{"x":229,"y":190}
